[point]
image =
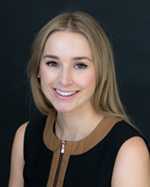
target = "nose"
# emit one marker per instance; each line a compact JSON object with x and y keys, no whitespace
{"x":65,"y":77}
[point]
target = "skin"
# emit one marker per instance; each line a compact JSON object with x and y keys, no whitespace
{"x":132,"y":165}
{"x":65,"y":72}
{"x":67,"y":65}
{"x":17,"y":159}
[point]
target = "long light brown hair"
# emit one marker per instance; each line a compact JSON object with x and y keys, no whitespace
{"x":106,"y":97}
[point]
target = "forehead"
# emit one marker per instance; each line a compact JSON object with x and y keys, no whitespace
{"x":66,"y":42}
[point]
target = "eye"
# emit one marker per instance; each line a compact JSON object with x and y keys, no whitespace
{"x":52,"y":63}
{"x":81,"y":66}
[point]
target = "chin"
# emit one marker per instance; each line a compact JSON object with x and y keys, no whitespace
{"x":63,"y":109}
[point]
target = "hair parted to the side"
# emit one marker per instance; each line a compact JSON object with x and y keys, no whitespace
{"x":106,"y":97}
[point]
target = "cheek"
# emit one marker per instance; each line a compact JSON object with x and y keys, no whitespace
{"x":88,"y":80}
{"x":47,"y":81}
{"x":47,"y":77}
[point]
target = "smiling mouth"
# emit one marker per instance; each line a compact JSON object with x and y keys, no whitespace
{"x":66,"y":94}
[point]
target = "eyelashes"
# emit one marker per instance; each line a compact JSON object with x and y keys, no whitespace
{"x":77,"y":65}
{"x":52,"y":63}
{"x":81,"y":66}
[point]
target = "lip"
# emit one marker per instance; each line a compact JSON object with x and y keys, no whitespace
{"x":65,"y":97}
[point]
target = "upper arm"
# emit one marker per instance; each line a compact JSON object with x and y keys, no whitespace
{"x":17,"y":158}
{"x":132,"y":165}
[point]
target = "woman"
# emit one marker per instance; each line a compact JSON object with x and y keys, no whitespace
{"x":86,"y":138}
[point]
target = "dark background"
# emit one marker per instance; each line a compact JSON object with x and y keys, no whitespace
{"x":127,"y":24}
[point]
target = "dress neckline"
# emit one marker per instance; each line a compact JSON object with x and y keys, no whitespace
{"x":53,"y":143}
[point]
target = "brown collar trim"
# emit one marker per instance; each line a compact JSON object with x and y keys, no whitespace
{"x":53,"y":143}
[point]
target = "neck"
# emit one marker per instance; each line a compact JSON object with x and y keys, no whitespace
{"x":75,"y":126}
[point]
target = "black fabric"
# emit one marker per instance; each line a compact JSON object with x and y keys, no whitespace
{"x":93,"y":168}
{"x":37,"y":156}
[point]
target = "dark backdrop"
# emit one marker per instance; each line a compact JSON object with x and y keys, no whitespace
{"x":127,"y":24}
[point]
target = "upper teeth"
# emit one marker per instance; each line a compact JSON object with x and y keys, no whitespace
{"x":65,"y":93}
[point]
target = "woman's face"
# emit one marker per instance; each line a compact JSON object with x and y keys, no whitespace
{"x":67,"y":73}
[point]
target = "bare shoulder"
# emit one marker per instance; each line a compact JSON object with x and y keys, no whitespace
{"x":19,"y":138}
{"x":134,"y":145}
{"x":132,"y":165}
{"x":21,"y":131}
{"x":17,"y":158}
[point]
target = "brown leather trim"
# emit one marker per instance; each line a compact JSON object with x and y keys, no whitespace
{"x":63,"y":169}
{"x":49,"y":138}
{"x":53,"y":168}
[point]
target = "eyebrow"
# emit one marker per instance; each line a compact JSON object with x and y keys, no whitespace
{"x":74,"y":58}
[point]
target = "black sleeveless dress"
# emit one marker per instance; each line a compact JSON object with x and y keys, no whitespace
{"x":50,"y":162}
